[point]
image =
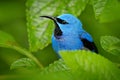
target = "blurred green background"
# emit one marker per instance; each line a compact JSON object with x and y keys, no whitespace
{"x":13,"y":21}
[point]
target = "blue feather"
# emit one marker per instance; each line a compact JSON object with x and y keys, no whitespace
{"x":69,"y":34}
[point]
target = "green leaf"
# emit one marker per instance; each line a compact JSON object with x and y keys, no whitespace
{"x":23,"y":63}
{"x":57,"y":71}
{"x":98,"y":6}
{"x":40,"y":31}
{"x":55,"y":67}
{"x":106,"y":10}
{"x":50,"y":76}
{"x":61,"y":75}
{"x":109,"y":44}
{"x":7,"y":40}
{"x":86,"y":65}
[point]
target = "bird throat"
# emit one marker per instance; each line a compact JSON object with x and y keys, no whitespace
{"x":57,"y":30}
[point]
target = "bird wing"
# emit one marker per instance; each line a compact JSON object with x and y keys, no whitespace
{"x":88,"y":42}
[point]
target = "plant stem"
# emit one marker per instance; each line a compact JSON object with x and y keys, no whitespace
{"x":29,"y":55}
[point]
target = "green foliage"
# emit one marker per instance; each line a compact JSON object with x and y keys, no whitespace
{"x":109,"y":44}
{"x":78,"y":65}
{"x":61,"y":75}
{"x":98,"y":6}
{"x":55,"y":67}
{"x":53,"y":76}
{"x":95,"y":67}
{"x":74,"y":65}
{"x":106,"y":10}
{"x":7,"y":40}
{"x":40,"y":31}
{"x":23,"y":62}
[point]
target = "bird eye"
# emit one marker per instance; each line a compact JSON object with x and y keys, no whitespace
{"x":61,"y":21}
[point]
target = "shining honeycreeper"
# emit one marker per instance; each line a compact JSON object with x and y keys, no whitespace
{"x":69,"y":34}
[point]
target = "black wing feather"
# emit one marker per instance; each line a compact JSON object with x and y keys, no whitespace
{"x":90,"y":45}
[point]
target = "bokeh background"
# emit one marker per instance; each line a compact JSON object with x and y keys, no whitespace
{"x":13,"y":21}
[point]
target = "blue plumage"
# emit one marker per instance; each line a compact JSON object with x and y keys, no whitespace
{"x":69,"y":34}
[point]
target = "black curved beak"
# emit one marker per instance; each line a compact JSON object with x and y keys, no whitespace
{"x":50,"y":17}
{"x":57,"y":31}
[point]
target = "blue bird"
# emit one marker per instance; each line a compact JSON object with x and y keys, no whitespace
{"x":69,"y":34}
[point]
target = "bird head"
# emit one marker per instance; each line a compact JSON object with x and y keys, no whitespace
{"x":65,"y":24}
